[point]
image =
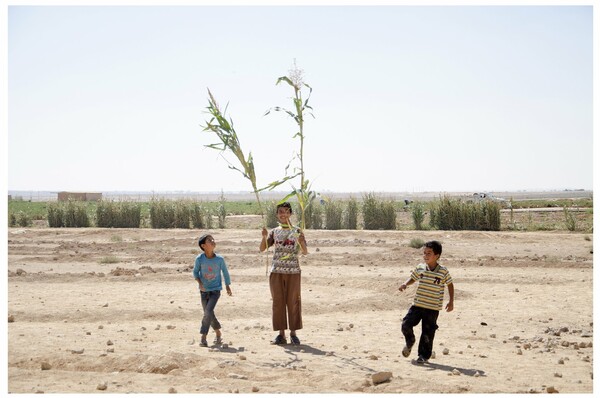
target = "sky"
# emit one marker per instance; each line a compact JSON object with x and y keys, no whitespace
{"x":405,"y":98}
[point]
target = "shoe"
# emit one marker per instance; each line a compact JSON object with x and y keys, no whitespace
{"x":279,"y":340}
{"x":295,"y":340}
{"x":421,"y":360}
{"x":218,"y":340}
{"x":203,"y":343}
{"x":406,"y":351}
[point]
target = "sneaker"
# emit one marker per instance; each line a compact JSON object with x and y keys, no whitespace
{"x":406,"y":351}
{"x":279,"y":340}
{"x":203,"y":343}
{"x":421,"y":360}
{"x":295,"y":340}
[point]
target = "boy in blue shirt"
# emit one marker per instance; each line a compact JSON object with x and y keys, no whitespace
{"x":208,"y":268}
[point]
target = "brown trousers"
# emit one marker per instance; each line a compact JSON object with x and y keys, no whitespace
{"x":285,"y":292}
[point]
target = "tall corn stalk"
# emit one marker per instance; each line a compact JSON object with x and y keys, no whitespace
{"x":229,"y":142}
{"x":301,"y":108}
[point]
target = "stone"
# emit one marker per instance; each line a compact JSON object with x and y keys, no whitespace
{"x":551,"y":390}
{"x":102,"y":386}
{"x":381,"y":377}
{"x":255,"y":389}
{"x":11,"y":318}
{"x":446,"y":351}
{"x":46,"y":366}
{"x":172,"y":390}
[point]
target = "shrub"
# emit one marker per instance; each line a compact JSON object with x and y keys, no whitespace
{"x":75,"y":215}
{"x":271,"y":215}
{"x":55,"y":215}
{"x":198,"y":215}
{"x":351,"y":215}
{"x":378,"y":214}
{"x":418,"y":214}
{"x":222,"y":212}
{"x":314,"y":216}
{"x":570,"y":219}
{"x":182,"y":213}
{"x":416,"y":243}
{"x":333,"y":215}
{"x":118,"y":214}
{"x":162,"y":214}
{"x":24,"y":220}
{"x":453,"y":214}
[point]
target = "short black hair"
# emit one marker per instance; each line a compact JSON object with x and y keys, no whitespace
{"x":202,"y":240}
{"x":435,"y":246}
{"x":287,"y":205}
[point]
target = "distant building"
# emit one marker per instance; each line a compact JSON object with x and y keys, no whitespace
{"x":83,"y":196}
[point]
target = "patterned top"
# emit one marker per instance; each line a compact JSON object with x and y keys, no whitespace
{"x":430,"y":292}
{"x":209,"y":271}
{"x":285,"y":256}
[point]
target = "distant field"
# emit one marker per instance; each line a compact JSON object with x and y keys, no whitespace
{"x":535,"y":218}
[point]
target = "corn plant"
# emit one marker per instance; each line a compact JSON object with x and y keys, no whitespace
{"x":418,"y":214}
{"x":229,"y":142}
{"x":301,"y":108}
{"x":378,"y":214}
{"x":333,"y":215}
{"x":351,"y":214}
{"x":222,"y":212}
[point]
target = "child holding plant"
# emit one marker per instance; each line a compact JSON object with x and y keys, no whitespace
{"x":208,"y":268}
{"x":428,"y":302}
{"x":284,"y":280}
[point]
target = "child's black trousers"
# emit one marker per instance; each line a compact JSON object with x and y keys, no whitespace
{"x":428,"y":319}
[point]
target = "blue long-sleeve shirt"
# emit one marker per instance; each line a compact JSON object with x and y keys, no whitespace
{"x":209,"y":270}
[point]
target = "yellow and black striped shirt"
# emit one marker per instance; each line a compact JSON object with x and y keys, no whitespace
{"x":430,"y":291}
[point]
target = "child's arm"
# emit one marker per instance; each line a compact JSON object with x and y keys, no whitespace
{"x":264,"y":243}
{"x":200,"y":285}
{"x":196,"y":274}
{"x":406,"y":284}
{"x":302,"y":242}
{"x":450,"y":305}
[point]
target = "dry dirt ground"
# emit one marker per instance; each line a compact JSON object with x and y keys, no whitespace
{"x":117,"y":311}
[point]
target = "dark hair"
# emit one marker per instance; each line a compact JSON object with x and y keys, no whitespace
{"x":202,"y":240}
{"x":286,"y":205}
{"x":435,"y":246}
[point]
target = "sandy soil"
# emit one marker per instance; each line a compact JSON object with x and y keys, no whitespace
{"x":117,"y":311}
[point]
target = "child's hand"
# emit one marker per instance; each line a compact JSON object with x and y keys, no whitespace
{"x":228,"y":290}
{"x":402,"y":287}
{"x":264,"y":232}
{"x":449,"y":306}
{"x":201,"y":288}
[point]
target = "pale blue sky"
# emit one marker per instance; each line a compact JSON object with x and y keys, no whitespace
{"x":458,"y":98}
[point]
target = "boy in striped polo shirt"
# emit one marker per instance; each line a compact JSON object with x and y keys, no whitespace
{"x":428,"y":302}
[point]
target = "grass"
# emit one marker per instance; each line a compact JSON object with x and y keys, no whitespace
{"x":109,"y":260}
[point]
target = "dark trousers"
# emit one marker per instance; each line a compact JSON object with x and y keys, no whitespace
{"x":428,"y":319}
{"x":209,"y":301}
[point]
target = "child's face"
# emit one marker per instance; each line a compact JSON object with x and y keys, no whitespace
{"x":283,"y":215}
{"x":430,"y":258}
{"x":209,"y":243}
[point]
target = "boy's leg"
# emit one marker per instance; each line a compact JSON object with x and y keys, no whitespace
{"x":278,"y":294}
{"x":429,"y":327}
{"x":294,"y":301}
{"x":412,"y":319}
{"x":209,"y":301}
{"x":213,"y":302}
